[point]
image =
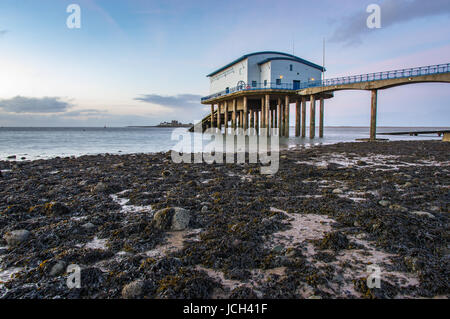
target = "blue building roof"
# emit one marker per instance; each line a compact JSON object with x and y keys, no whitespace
{"x":288,"y":57}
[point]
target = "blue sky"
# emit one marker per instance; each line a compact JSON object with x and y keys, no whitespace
{"x":126,"y":50}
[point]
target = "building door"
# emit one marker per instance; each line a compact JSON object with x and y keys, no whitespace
{"x":296,"y":85}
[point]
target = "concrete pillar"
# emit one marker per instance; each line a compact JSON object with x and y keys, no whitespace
{"x":297,"y":118}
{"x":321,"y":111}
{"x":286,"y":116}
{"x":373,"y":116}
{"x":219,"y":110}
{"x":226,"y":116}
{"x":303,"y":116}
{"x":312,"y":117}
{"x":212,"y":115}
{"x":245,"y":114}
{"x":234,"y":117}
{"x":252,"y":118}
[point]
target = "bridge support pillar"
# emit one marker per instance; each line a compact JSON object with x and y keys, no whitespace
{"x":312,"y":117}
{"x":373,"y":116}
{"x":321,"y":111}
{"x":303,"y":116}
{"x":286,"y":116}
{"x":297,"y":118}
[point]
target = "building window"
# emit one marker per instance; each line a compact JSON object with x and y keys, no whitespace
{"x":265,"y":82}
{"x":254,"y":84}
{"x":278,"y":81}
{"x":290,"y":67}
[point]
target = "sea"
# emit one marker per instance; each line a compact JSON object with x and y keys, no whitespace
{"x":31,"y":143}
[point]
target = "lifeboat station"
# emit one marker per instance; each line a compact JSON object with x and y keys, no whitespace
{"x":256,"y":91}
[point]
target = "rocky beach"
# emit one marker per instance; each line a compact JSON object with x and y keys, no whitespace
{"x":141,"y":226}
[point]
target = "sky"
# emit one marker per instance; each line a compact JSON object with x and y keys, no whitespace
{"x":142,"y":62}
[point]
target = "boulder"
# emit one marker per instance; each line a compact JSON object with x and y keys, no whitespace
{"x":426,"y":214}
{"x":173,"y":218}
{"x":58,"y":268}
{"x":99,"y":188}
{"x":16,"y":237}
{"x":384,"y":203}
{"x":56,"y":208}
{"x":133,"y":290}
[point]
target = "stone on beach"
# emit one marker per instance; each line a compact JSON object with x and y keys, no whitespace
{"x":16,"y":237}
{"x":133,"y":290}
{"x":423,"y":214}
{"x":384,"y":203}
{"x":173,"y":218}
{"x":58,"y":268}
{"x":56,"y":208}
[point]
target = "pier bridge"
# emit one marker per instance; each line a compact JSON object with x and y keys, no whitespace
{"x":266,"y":105}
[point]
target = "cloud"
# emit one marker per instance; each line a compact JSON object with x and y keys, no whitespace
{"x":174,"y":101}
{"x":3,"y":32}
{"x":20,"y":104}
{"x":352,"y":29}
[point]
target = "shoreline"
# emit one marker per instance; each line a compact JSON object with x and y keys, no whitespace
{"x":308,"y":231}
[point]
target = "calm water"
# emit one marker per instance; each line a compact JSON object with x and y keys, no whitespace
{"x":36,"y":143}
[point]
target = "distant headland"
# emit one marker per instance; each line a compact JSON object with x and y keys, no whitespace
{"x":173,"y":123}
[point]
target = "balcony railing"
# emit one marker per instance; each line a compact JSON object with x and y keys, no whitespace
{"x":396,"y":74}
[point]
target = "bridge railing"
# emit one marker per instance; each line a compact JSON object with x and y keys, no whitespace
{"x":396,"y":74}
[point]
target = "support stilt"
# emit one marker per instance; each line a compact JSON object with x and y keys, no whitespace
{"x":286,"y":116}
{"x":297,"y":118}
{"x":303,"y":116}
{"x":321,"y":112}
{"x":373,"y":116}
{"x":312,"y":117}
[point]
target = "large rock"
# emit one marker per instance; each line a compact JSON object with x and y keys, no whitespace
{"x":133,"y":290}
{"x":427,"y":214}
{"x":56,"y":209}
{"x":173,"y":218}
{"x":99,"y":188}
{"x":16,"y":237}
{"x":58,"y":269}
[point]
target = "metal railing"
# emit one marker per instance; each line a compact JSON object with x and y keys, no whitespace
{"x":396,"y":74}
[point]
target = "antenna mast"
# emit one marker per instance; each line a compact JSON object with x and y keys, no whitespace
{"x":323,"y":61}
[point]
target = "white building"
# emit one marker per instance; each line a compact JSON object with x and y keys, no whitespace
{"x":267,"y":69}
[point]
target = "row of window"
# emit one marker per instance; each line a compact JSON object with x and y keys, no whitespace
{"x":278,"y":82}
